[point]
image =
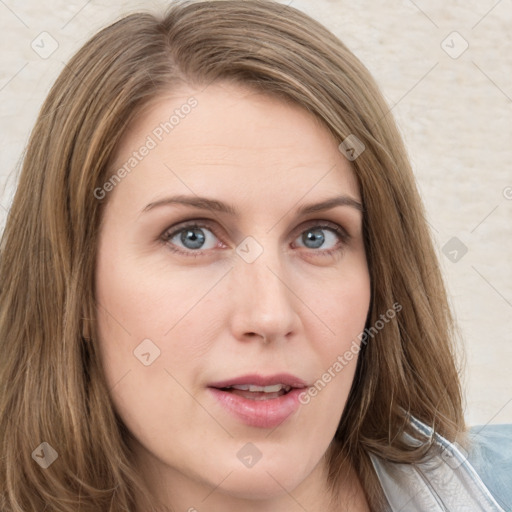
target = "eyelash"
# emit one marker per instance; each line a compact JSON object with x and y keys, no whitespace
{"x":200,"y":223}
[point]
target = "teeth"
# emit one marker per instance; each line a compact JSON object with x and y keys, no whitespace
{"x":261,"y":389}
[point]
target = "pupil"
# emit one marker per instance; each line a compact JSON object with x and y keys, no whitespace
{"x":193,"y":238}
{"x":314,"y":238}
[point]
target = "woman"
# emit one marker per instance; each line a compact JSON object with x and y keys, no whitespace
{"x":218,"y":287}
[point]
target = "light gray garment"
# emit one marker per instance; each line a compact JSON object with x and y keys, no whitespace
{"x":452,"y":479}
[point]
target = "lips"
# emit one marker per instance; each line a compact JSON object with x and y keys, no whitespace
{"x":285,"y":379}
{"x":259,"y":401}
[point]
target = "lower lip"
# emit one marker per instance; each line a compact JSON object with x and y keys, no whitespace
{"x":260,"y":413}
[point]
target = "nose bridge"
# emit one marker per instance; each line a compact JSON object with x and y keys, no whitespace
{"x":263,"y":302}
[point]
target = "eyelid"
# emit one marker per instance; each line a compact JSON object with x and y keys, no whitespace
{"x":325,"y":224}
{"x":200,"y":223}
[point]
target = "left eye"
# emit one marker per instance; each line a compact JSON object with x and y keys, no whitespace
{"x":318,"y":237}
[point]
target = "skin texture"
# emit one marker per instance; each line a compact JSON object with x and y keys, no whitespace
{"x":215,"y":316}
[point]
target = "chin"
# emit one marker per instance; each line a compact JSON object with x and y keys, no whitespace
{"x":265,"y":480}
{"x":260,"y":485}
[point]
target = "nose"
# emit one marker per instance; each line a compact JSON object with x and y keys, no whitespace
{"x":264,"y":303}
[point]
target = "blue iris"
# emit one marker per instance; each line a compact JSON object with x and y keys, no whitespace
{"x":313,"y":238}
{"x":192,"y":238}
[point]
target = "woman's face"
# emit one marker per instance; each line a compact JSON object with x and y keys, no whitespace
{"x":231,"y":253}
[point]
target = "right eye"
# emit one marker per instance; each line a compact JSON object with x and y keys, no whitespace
{"x":190,"y":238}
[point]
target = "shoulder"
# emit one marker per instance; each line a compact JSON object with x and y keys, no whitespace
{"x":490,"y":453}
{"x":477,"y":476}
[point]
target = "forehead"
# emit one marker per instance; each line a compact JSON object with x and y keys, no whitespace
{"x":231,"y":139}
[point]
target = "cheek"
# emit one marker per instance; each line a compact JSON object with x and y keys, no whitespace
{"x":146,"y":316}
{"x":341,"y":311}
{"x":146,"y":298}
{"x":150,"y":336}
{"x":340,"y":307}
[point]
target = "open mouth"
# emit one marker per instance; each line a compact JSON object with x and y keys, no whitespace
{"x":253,"y":392}
{"x":259,"y":401}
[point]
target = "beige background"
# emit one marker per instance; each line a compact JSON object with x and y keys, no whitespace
{"x":454,"y":110}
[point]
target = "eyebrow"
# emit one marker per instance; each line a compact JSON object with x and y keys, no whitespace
{"x":204,"y":203}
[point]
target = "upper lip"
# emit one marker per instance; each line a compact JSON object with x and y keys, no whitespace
{"x":260,"y":380}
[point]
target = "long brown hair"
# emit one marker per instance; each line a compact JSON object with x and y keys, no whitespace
{"x":52,"y":386}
